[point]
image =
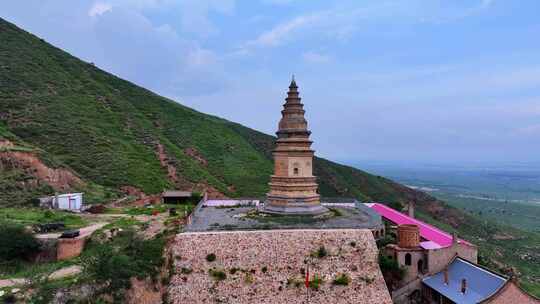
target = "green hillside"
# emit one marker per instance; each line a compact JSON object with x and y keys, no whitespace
{"x":107,"y":132}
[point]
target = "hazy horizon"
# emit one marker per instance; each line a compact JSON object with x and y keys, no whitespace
{"x":421,"y":81}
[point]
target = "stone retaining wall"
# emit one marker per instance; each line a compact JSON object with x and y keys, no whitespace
{"x":258,"y":265}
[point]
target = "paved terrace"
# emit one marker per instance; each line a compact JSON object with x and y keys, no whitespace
{"x":268,"y":267}
{"x":227,"y":215}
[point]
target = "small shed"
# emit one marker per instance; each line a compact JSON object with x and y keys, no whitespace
{"x":69,"y":201}
{"x":176,"y":197}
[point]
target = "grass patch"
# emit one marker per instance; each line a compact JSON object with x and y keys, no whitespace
{"x":342,"y":280}
{"x":124,"y":223}
{"x":335,"y":212}
{"x":33,"y":216}
{"x":159,"y":208}
{"x":24,"y":269}
{"x":46,"y":289}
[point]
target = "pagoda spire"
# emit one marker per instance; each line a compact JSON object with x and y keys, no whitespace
{"x":293,"y":83}
{"x":293,"y":122}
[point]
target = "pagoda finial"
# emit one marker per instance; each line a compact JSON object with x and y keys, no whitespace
{"x":293,"y":83}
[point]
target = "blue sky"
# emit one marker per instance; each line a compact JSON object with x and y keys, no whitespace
{"x":415,"y":80}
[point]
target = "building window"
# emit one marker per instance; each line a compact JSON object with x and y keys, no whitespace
{"x":420,"y":266}
{"x":295,"y":171}
{"x":408,"y":259}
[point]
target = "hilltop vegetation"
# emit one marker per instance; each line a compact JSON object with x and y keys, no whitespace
{"x":109,"y":131}
{"x":102,"y":133}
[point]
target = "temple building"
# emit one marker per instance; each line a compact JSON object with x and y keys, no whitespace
{"x":293,"y":188}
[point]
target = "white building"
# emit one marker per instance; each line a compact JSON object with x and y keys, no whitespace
{"x":68,"y":201}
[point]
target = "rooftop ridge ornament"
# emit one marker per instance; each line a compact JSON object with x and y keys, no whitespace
{"x":293,"y":188}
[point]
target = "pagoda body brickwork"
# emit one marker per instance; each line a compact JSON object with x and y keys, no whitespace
{"x":293,"y":188}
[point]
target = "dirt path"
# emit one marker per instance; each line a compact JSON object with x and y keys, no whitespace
{"x":12,"y":282}
{"x":84,"y":232}
{"x":66,"y":272}
{"x":59,"y":274}
{"x":156,"y":224}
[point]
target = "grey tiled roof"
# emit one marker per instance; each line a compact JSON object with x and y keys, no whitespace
{"x":481,"y":283}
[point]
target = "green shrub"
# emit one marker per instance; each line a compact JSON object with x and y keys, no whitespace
{"x":320,"y":253}
{"x":390,"y":268}
{"x":113,"y":264}
{"x":264,"y":269}
{"x":211,"y":257}
{"x":218,"y":275}
{"x":16,"y":242}
{"x":342,"y":279}
{"x":336,"y":212}
{"x":353,"y":244}
{"x":388,"y":239}
{"x":186,"y":270}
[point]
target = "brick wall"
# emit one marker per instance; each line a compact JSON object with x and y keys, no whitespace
{"x":281,"y":253}
{"x":69,"y":248}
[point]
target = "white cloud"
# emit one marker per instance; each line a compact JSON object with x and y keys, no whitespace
{"x":201,"y":57}
{"x":341,"y":21}
{"x":314,"y":57}
{"x":99,"y":8}
{"x":282,"y":32}
{"x":195,"y":15}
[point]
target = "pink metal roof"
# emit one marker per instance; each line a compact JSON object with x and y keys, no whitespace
{"x":427,"y":232}
{"x":430,"y":245}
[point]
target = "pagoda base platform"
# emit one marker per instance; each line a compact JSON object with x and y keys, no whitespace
{"x":297,"y":208}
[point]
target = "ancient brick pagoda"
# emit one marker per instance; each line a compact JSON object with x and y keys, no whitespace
{"x":293,"y":188}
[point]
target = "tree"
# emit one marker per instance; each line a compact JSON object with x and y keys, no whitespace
{"x":17,"y":243}
{"x":391,"y":271}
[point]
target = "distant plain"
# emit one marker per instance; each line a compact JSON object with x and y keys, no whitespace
{"x":508,"y":193}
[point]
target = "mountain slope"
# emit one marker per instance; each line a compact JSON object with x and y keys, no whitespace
{"x":112,"y":132}
{"x":66,"y":125}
